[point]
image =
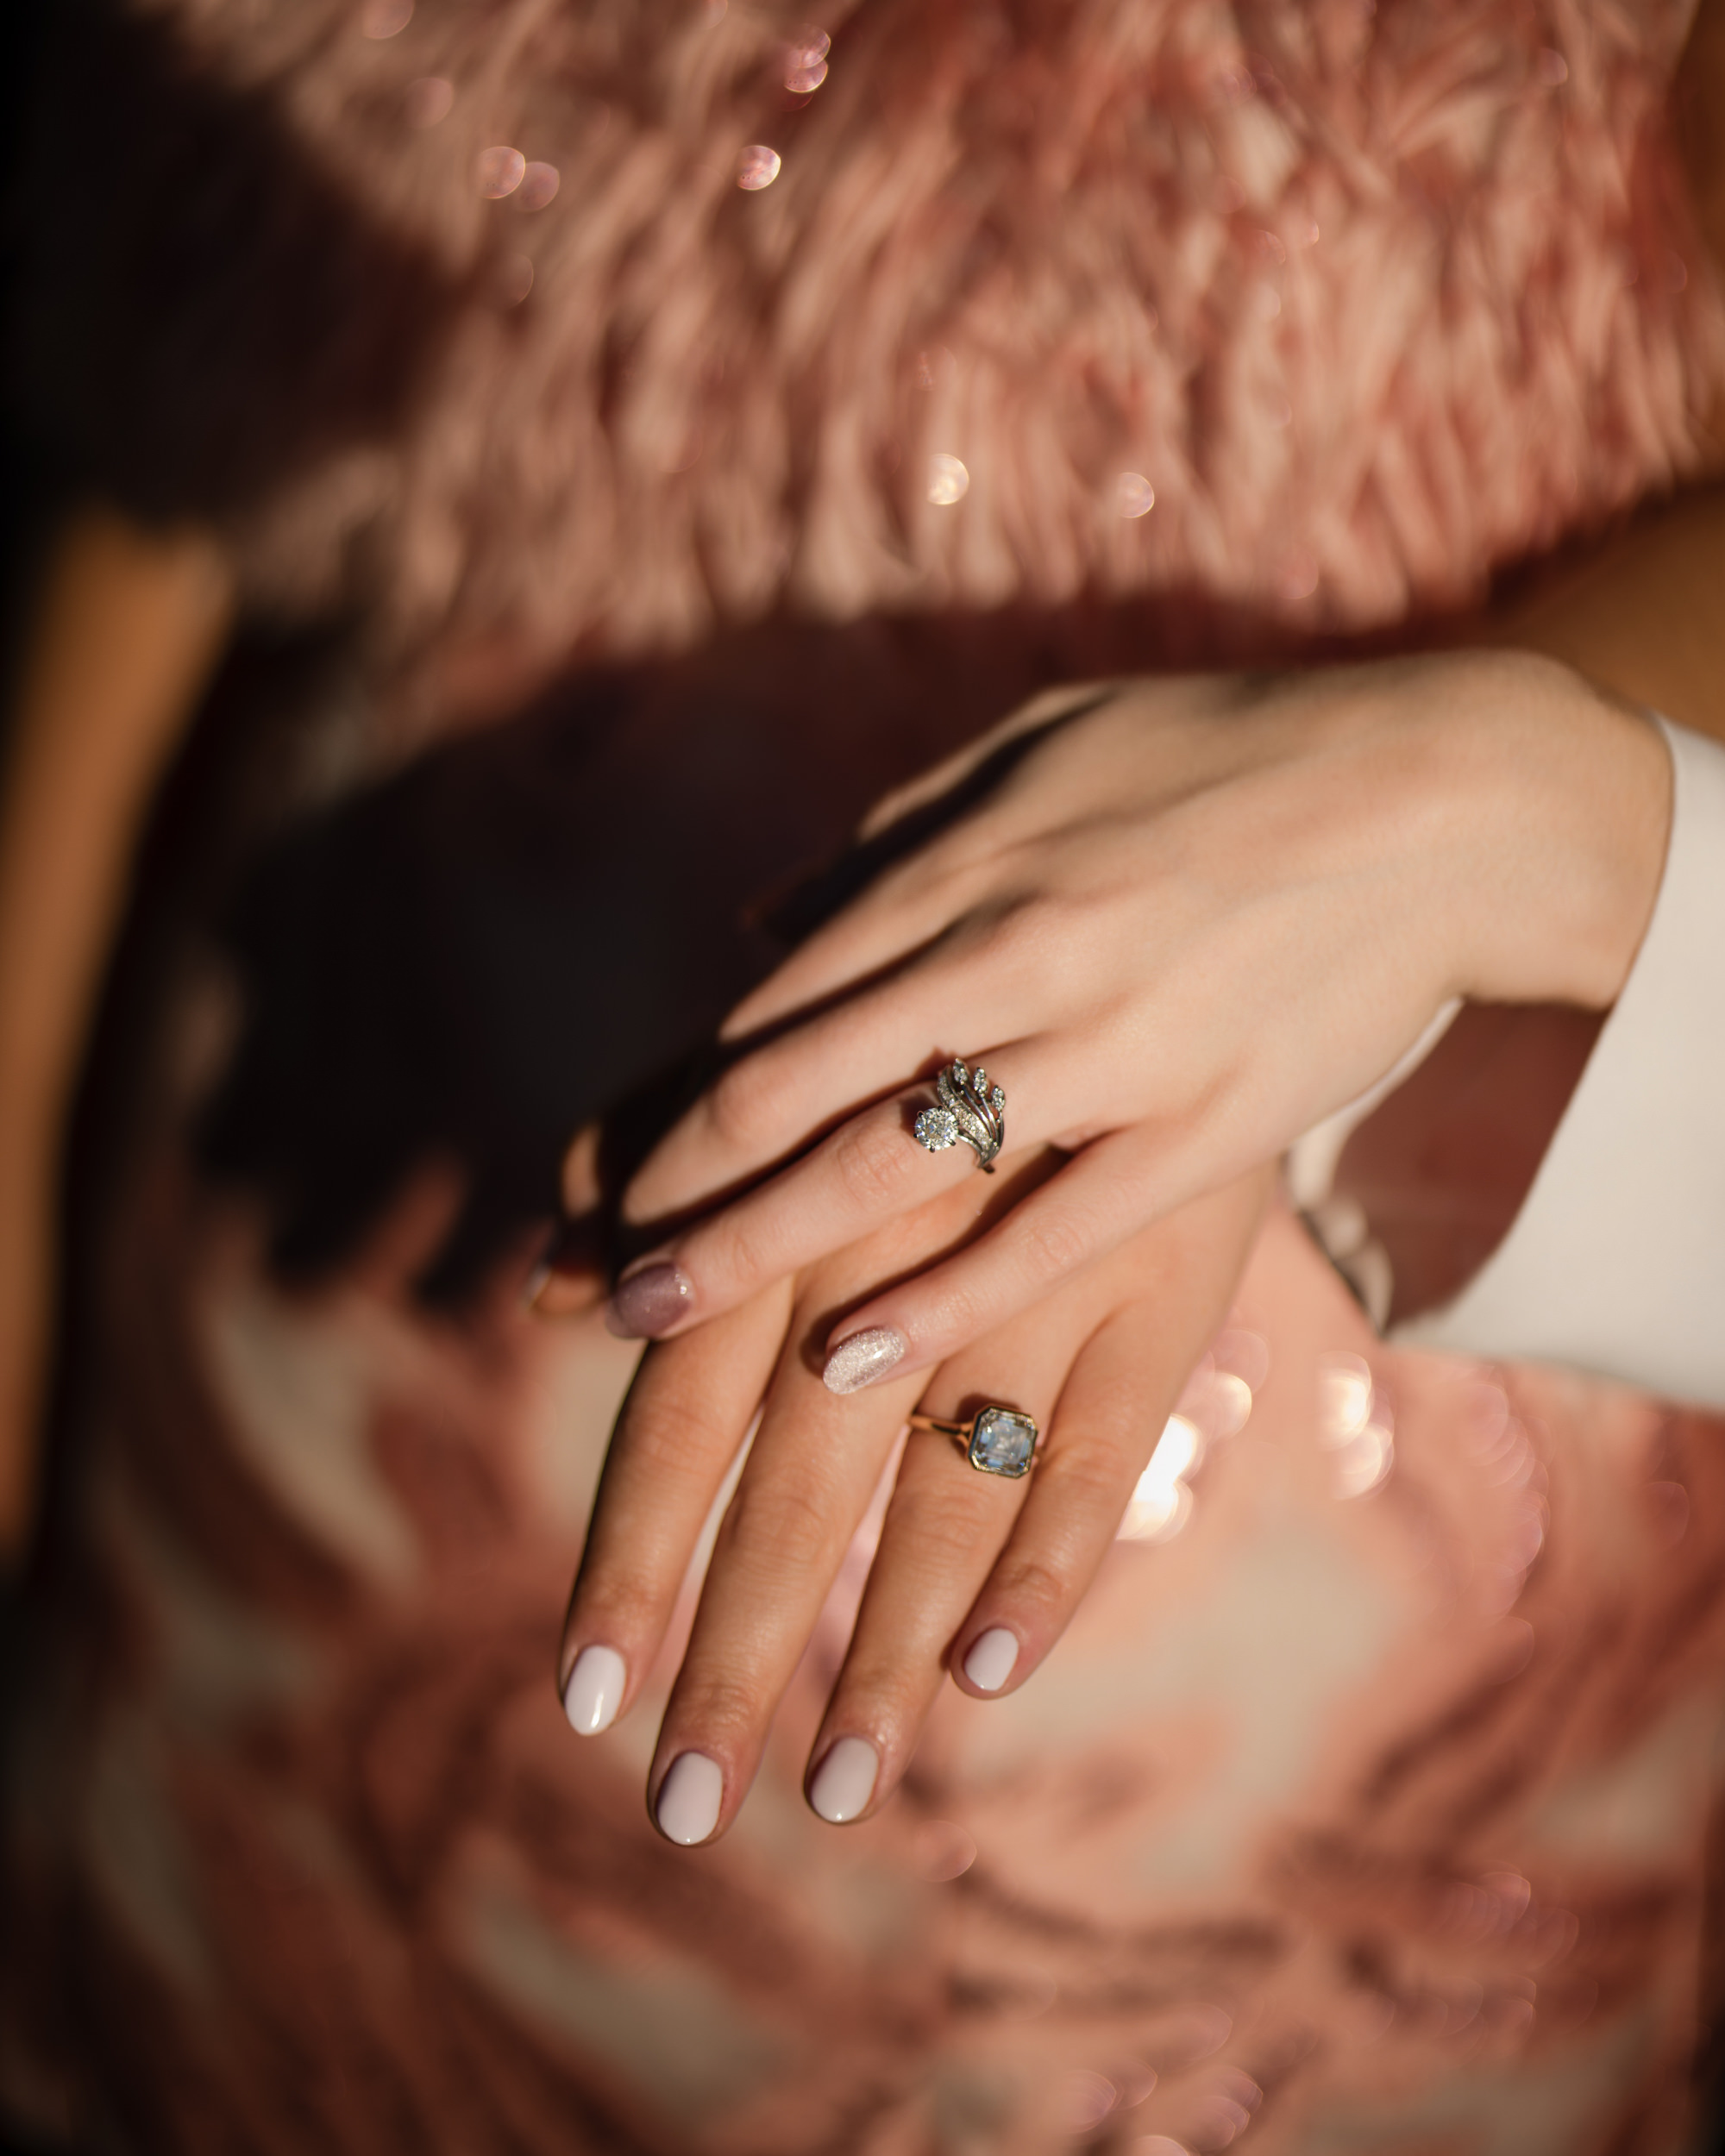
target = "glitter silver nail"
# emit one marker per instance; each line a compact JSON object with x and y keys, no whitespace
{"x":863,"y":1359}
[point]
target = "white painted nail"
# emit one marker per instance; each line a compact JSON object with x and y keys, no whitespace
{"x":991,"y":1659}
{"x":863,"y":1358}
{"x":844,"y":1781}
{"x":594,"y":1691}
{"x":689,"y":1798}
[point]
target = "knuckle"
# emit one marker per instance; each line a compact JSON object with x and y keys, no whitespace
{"x":1036,"y":1585}
{"x":736,"y":1250}
{"x":722,"y":1703}
{"x":870,"y":1172}
{"x":777,"y":1529}
{"x":746,"y":1103}
{"x":1012,"y":932}
{"x":1056,"y":1242}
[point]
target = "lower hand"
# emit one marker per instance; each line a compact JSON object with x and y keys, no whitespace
{"x":975,"y":1576}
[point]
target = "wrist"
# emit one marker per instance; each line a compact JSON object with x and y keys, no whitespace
{"x":1557,"y":805}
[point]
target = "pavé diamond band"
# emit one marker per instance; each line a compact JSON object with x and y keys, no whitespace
{"x":995,"y":1441}
{"x":969,"y":1109}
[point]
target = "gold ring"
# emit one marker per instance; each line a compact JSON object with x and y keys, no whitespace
{"x":995,"y":1441}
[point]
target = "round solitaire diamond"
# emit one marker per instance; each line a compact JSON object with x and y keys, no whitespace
{"x":936,"y":1128}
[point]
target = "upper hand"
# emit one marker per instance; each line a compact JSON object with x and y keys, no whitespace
{"x":1194,"y":917}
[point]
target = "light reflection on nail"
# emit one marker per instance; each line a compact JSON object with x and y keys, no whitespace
{"x":864,"y":1357}
{"x":429,"y":100}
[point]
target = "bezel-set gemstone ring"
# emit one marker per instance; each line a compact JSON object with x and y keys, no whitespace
{"x":996,"y":1440}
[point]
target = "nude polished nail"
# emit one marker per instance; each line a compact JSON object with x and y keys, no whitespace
{"x":863,"y":1359}
{"x":844,"y":1780}
{"x":991,"y":1659}
{"x":594,"y":1691}
{"x":689,"y":1798}
{"x":650,"y":1302}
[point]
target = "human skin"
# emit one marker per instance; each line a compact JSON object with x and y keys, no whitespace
{"x":1636,"y":615}
{"x":978,"y":1575}
{"x":1197,"y":917}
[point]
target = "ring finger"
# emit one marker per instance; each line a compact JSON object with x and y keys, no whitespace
{"x":945,"y":1528}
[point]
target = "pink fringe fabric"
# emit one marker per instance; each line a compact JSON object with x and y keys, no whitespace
{"x":1372,"y":300}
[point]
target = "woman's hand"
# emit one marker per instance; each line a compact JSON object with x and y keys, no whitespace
{"x":975,"y":1574}
{"x":1194,"y":918}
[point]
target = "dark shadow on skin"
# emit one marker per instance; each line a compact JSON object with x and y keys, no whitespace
{"x":543,"y":925}
{"x":830,"y":889}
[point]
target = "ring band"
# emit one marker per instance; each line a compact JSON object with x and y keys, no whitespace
{"x":969,"y":1109}
{"x":995,"y":1441}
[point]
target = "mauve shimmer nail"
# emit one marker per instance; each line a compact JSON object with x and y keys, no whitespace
{"x":650,"y":1302}
{"x":863,"y":1358}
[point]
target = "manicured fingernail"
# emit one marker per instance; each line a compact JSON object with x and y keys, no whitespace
{"x":863,"y":1358}
{"x":594,"y":1691}
{"x":991,"y":1658}
{"x":650,"y":1302}
{"x":844,"y":1780}
{"x":689,"y":1798}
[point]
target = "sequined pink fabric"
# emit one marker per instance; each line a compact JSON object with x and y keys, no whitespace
{"x":1371,"y":1801}
{"x":1371,"y":1807}
{"x":1369,"y":299}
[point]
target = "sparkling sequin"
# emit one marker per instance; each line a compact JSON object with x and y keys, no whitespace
{"x":757,"y":166}
{"x":497,"y":172}
{"x":1134,"y":494}
{"x":948,"y":481}
{"x":386,"y":18}
{"x":539,"y":183}
{"x":429,"y":100}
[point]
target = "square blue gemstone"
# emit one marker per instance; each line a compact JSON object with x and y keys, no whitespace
{"x":1002,"y":1442}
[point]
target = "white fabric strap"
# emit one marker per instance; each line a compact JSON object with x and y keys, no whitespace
{"x":1616,"y":1261}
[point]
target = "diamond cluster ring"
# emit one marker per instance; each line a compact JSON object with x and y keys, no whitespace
{"x":995,"y":1440}
{"x":969,"y":1109}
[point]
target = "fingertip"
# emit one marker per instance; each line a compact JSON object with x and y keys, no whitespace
{"x":649,"y":1302}
{"x":593,"y":1690}
{"x":842,"y":1787}
{"x":686,"y":1809}
{"x":990,"y":1659}
{"x":863,"y":1358}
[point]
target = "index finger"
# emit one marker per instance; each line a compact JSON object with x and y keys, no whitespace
{"x":869,"y":1172}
